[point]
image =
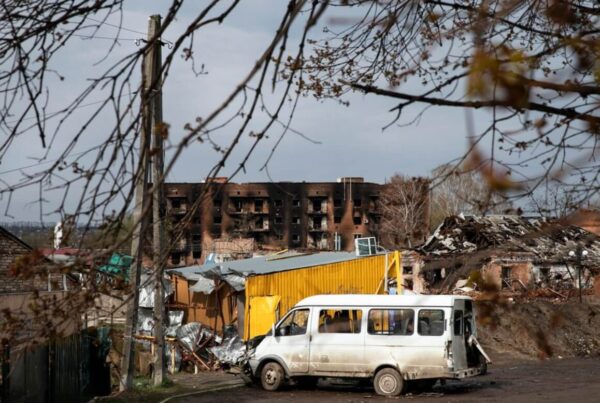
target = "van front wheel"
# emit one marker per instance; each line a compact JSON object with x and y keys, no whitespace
{"x":388,"y":382}
{"x":271,"y":376}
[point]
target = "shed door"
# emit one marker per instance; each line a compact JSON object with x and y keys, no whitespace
{"x":263,"y":314}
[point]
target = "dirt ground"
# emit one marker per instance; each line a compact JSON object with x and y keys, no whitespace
{"x":556,"y":380}
{"x":540,"y":328}
{"x":544,"y":350}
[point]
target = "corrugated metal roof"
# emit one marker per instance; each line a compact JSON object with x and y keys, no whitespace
{"x":269,"y":264}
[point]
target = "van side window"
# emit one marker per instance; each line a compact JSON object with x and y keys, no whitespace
{"x":431,"y":322}
{"x":391,"y":322}
{"x":458,"y":323}
{"x":340,"y":320}
{"x":294,"y":324}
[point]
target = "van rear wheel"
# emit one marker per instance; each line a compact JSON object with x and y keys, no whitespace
{"x":271,"y":376}
{"x":388,"y":382}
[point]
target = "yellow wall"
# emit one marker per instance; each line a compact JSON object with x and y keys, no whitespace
{"x":358,"y":276}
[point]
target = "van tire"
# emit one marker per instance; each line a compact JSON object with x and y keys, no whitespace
{"x":272,"y":376}
{"x":388,"y":382}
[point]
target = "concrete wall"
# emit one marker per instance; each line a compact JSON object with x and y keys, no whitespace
{"x":519,"y":272}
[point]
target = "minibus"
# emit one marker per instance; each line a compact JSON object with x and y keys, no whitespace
{"x":394,"y":341}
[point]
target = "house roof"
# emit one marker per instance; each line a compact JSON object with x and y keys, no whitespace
{"x":15,"y":238}
{"x":268,"y":264}
{"x":543,"y":240}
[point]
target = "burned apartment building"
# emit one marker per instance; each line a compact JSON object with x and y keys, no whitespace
{"x":276,"y":215}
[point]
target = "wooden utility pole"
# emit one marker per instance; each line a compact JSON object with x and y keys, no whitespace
{"x":155,"y":59}
{"x":139,"y":214}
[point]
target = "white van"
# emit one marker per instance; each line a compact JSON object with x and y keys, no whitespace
{"x":392,"y":339}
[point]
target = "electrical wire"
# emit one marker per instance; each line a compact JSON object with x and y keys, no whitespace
{"x":116,"y":26}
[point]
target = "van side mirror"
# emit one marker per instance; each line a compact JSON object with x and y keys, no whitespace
{"x":273,"y":330}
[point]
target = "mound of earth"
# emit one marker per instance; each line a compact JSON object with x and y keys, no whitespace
{"x":540,"y":328}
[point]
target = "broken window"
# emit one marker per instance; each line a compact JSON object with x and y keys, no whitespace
{"x":431,"y":322}
{"x":340,"y":320}
{"x":316,"y":203}
{"x":408,"y":284}
{"x":407,"y":270}
{"x":400,"y":322}
{"x":506,"y":277}
{"x":545,"y":274}
{"x":458,"y":323}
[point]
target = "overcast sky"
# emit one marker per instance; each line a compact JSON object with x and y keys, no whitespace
{"x":351,"y":139}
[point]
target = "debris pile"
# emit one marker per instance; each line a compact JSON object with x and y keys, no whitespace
{"x":195,"y":347}
{"x":545,"y":239}
{"x":471,"y":254}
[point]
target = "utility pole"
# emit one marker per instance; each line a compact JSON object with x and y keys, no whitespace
{"x":155,"y":59}
{"x":139,"y":215}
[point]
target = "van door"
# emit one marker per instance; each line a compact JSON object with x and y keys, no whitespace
{"x":337,"y":342}
{"x":460,"y":332}
{"x":292,"y":341}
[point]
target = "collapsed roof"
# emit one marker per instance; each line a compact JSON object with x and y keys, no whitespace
{"x":541,"y":240}
{"x":235,"y":272}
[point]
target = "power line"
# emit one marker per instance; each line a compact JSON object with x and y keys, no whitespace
{"x":120,"y":27}
{"x":51,"y":115}
{"x":105,"y":37}
{"x":55,"y":159}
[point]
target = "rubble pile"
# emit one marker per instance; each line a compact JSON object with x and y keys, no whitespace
{"x":196,"y":347}
{"x":548,"y":240}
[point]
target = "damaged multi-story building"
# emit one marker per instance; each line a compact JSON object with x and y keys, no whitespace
{"x":276,"y":215}
{"x":507,"y":252}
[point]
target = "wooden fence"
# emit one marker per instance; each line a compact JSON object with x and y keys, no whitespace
{"x":72,"y":369}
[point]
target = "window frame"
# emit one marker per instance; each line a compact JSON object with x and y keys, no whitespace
{"x":430,"y":310}
{"x":292,"y":313}
{"x":414,"y":310}
{"x":458,"y":314}
{"x":349,"y":309}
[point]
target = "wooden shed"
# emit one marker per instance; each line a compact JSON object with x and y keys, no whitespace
{"x":254,"y":293}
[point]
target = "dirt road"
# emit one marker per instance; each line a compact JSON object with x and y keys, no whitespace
{"x":568,"y":380}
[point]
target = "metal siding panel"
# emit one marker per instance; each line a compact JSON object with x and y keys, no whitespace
{"x":360,"y":276}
